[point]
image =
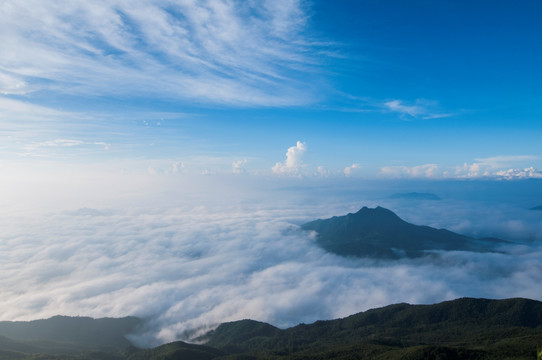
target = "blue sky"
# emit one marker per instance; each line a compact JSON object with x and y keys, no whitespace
{"x":369,"y":89}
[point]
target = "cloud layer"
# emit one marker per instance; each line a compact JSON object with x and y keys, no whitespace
{"x":189,"y":263}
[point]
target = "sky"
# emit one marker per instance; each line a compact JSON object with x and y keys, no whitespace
{"x":158,"y":157}
{"x":421,"y":89}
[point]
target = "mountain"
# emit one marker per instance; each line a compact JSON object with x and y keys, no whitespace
{"x":177,"y":350}
{"x":415,"y":196}
{"x":465,"y":328}
{"x":537,"y":208}
{"x":460,"y":329}
{"x":65,"y":335}
{"x":380,"y":233}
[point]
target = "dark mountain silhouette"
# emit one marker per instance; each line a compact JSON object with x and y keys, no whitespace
{"x":537,"y":208}
{"x":415,"y":196}
{"x":177,"y":350}
{"x":460,"y":329}
{"x":379,"y":233}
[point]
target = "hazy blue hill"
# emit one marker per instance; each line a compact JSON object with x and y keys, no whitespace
{"x":380,"y":233}
{"x":537,"y":208}
{"x":415,"y":196}
{"x":72,"y":331}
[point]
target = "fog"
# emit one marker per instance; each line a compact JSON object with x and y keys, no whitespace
{"x":188,"y":254}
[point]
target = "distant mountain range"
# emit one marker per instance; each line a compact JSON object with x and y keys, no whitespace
{"x":459,"y":329}
{"x":415,"y":196}
{"x":380,"y":233}
{"x":537,"y":208}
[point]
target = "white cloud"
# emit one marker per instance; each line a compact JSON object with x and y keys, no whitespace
{"x":238,"y":166}
{"x":14,"y":111}
{"x":527,"y":173}
{"x":322,"y":171}
{"x":105,"y":145}
{"x":498,"y":166}
{"x":294,"y":160}
{"x":502,"y":161}
{"x":473,"y":170}
{"x":207,"y":172}
{"x":349,"y":169}
{"x":418,"y":171}
{"x":10,"y":85}
{"x":230,"y":52}
{"x":43,"y":148}
{"x":178,"y":167}
{"x":422,"y":108}
{"x":398,"y":106}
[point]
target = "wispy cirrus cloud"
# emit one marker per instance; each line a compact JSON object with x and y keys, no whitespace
{"x":421,"y":108}
{"x":502,"y":161}
{"x":42,"y":148}
{"x":227,"y":52}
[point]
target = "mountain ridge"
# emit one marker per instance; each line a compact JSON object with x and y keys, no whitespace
{"x":450,"y":327}
{"x":464,"y":328}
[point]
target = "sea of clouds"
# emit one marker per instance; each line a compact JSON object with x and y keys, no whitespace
{"x":187,"y":256}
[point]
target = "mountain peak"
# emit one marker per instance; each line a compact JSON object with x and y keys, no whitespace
{"x":377,"y":211}
{"x":380,"y":233}
{"x":378,"y":216}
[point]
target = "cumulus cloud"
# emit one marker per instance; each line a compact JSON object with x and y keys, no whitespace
{"x":418,"y":171}
{"x":499,"y":167}
{"x":238,"y":166}
{"x":349,"y":169}
{"x":527,"y":173}
{"x":322,"y":171}
{"x":294,"y":160}
{"x":231,"y":52}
